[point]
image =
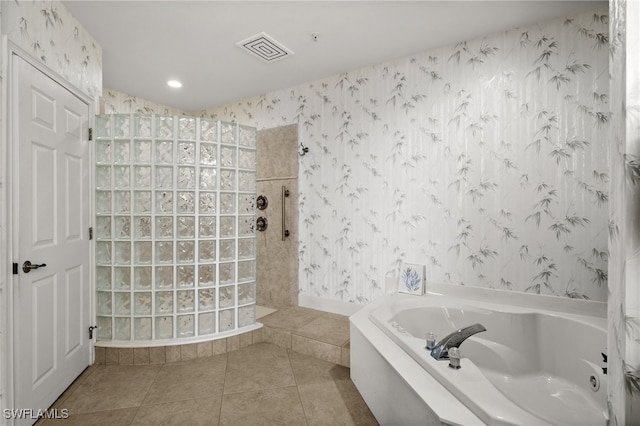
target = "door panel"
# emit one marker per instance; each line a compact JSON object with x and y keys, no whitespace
{"x":43,"y":194}
{"x":73,"y":182}
{"x":73,"y":297}
{"x":51,"y":303}
{"x":44,"y":320}
{"x":43,"y":110}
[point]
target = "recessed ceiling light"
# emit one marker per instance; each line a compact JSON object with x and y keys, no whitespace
{"x":174,"y":83}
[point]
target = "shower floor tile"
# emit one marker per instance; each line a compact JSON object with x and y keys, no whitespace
{"x":258,"y":384}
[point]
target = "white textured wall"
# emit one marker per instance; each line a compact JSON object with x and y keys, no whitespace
{"x":486,"y":161}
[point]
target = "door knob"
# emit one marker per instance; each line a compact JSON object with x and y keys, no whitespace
{"x":28,"y":266}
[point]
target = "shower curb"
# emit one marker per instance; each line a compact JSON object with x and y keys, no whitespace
{"x":176,"y":353}
{"x":304,"y":345}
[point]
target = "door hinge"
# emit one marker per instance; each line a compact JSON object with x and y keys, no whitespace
{"x":15,"y":268}
{"x":90,"y":133}
{"x":93,"y":327}
{"x":90,"y":233}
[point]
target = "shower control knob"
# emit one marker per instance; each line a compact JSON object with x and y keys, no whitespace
{"x":262,"y":223}
{"x":262,"y":202}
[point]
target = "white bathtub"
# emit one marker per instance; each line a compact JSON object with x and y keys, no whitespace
{"x":535,"y":364}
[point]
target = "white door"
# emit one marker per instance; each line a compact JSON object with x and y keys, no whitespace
{"x":51,"y":222}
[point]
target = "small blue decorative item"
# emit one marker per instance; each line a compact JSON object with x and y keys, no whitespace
{"x":411,"y":279}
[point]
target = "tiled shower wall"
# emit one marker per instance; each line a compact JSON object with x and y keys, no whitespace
{"x":485,"y":160}
{"x":277,"y":279}
{"x":175,"y":205}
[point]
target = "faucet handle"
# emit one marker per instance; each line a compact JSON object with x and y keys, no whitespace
{"x":431,"y":340}
{"x":454,"y":358}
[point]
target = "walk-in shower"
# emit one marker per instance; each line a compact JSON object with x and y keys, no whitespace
{"x":175,"y":228}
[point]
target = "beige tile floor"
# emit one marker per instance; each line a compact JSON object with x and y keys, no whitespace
{"x":261,"y":384}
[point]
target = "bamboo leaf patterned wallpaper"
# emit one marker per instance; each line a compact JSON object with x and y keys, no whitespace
{"x":114,"y":102}
{"x":486,"y":161}
{"x":49,"y":33}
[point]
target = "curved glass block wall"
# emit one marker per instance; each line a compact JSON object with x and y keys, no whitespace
{"x":175,"y":216}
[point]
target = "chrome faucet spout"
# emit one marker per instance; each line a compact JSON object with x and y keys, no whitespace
{"x":454,"y":340}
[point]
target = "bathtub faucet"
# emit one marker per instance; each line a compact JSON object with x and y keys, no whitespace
{"x":454,"y":340}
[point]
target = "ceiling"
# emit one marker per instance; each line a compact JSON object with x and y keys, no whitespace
{"x":146,"y":43}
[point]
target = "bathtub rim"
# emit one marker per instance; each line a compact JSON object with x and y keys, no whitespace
{"x":541,"y":302}
{"x":442,"y":403}
{"x":439,"y":400}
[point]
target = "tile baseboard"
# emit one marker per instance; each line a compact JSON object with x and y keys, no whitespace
{"x":176,"y":353}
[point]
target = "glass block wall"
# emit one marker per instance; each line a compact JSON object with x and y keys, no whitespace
{"x":175,"y":215}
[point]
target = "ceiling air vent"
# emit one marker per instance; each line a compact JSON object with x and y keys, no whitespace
{"x":265,"y":47}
